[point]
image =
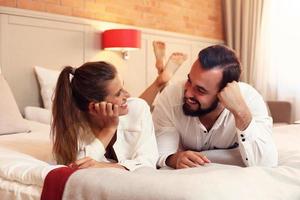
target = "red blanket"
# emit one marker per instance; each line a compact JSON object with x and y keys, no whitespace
{"x":55,"y":182}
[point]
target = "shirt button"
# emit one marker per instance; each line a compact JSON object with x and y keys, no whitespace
{"x":242,"y":135}
{"x":205,"y":143}
{"x":205,"y":131}
{"x":243,"y":140}
{"x":246,"y":158}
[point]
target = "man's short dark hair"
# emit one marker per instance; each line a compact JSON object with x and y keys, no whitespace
{"x":218,"y":56}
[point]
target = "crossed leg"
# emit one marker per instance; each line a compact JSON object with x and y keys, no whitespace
{"x":165,"y":72}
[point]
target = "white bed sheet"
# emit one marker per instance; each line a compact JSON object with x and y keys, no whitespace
{"x":213,"y":181}
{"x":36,"y":143}
{"x":21,"y":176}
{"x":24,"y":163}
{"x":12,"y":190}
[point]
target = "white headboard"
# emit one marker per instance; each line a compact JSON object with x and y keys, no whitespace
{"x":29,"y":38}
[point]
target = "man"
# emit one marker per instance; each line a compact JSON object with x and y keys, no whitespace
{"x":211,"y":111}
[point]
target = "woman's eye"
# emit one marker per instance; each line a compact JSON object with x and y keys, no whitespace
{"x":118,"y":94}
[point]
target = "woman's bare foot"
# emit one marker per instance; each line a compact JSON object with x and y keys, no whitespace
{"x":159,"y":52}
{"x":173,"y":64}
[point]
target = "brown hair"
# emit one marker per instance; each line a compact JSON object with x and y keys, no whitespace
{"x":70,"y":105}
{"x":219,"y":56}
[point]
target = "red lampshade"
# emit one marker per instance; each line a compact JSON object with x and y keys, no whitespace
{"x":121,"y":39}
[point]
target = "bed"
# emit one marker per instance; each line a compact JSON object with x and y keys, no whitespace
{"x":25,"y":152}
{"x":25,"y":161}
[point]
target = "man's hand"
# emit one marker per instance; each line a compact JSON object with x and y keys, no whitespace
{"x":88,"y":162}
{"x":232,"y":99}
{"x":186,"y":159}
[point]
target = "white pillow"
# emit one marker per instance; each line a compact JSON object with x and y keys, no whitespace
{"x":47,"y":79}
{"x":38,"y":114}
{"x":11,"y":120}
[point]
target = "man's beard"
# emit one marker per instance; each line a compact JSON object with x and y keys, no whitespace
{"x":199,"y":112}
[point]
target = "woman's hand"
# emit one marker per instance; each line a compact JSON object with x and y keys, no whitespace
{"x":105,"y":120}
{"x":106,"y":114}
{"x":88,"y":162}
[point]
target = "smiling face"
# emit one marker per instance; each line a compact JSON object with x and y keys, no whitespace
{"x":117,"y":94}
{"x":200,"y":90}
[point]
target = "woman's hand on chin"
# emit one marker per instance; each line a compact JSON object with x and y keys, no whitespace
{"x":105,"y":114}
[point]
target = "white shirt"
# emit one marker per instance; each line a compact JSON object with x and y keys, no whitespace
{"x":176,"y":131}
{"x":135,"y":145}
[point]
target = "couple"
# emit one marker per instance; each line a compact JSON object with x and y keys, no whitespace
{"x":208,"y":118}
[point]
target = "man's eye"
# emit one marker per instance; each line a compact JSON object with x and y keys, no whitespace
{"x":200,"y":91}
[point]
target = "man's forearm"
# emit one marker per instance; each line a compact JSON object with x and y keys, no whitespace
{"x":243,"y":119}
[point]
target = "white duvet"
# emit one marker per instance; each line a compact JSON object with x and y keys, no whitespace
{"x":213,"y":181}
{"x":23,"y":173}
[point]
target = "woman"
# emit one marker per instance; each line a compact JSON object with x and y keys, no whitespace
{"x":95,"y":121}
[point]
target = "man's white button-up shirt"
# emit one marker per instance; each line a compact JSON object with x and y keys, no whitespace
{"x":176,"y":131}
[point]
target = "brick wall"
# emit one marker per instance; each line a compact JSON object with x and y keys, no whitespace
{"x":194,"y":17}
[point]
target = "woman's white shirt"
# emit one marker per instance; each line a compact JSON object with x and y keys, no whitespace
{"x":135,"y":146}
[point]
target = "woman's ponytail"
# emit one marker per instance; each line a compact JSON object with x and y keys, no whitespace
{"x":65,"y":118}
